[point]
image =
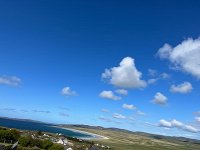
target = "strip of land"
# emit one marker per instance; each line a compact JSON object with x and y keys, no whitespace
{"x":127,"y":140}
{"x":93,"y":136}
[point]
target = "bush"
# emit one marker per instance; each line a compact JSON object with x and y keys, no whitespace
{"x":36,"y":142}
{"x":16,"y":134}
{"x":56,"y":147}
{"x":47,"y":144}
{"x":24,"y":141}
{"x":6,"y":135}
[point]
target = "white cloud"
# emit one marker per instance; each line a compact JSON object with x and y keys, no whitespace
{"x":185,"y":56}
{"x":109,"y":95}
{"x":164,"y":123}
{"x":122,"y":92}
{"x":177,"y":124}
{"x":127,"y":106}
{"x":125,"y":75}
{"x":66,"y":91}
{"x":140,"y":113}
{"x":183,"y":88}
{"x":160,"y":99}
{"x":10,"y":80}
{"x":118,"y":116}
{"x":197,"y":119}
{"x":190,"y":128}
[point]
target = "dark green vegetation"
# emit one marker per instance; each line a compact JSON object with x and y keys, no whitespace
{"x":26,"y":142}
{"x":7,"y":137}
{"x":126,"y":140}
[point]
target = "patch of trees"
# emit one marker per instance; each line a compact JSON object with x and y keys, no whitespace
{"x":9,"y":136}
{"x":43,"y":144}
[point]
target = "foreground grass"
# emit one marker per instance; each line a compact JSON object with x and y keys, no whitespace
{"x":120,"y":140}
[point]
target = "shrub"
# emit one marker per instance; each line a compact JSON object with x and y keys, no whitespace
{"x":47,"y":144}
{"x":56,"y":147}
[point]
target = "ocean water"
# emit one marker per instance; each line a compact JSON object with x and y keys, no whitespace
{"x":28,"y":125}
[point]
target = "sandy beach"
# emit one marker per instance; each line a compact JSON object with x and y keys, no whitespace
{"x":94,"y":136}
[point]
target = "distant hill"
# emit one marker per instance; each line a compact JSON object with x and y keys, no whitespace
{"x":26,"y":120}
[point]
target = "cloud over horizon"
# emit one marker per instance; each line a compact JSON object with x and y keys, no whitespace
{"x":177,"y":124}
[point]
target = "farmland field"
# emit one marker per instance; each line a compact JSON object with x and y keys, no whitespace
{"x":124,"y":140}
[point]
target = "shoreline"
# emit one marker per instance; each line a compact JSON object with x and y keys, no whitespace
{"x":94,"y":136}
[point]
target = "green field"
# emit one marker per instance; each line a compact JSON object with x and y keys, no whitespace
{"x":121,"y":140}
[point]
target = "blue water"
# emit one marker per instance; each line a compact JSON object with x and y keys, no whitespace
{"x":28,"y":125}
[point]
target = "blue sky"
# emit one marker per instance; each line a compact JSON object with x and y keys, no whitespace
{"x":125,"y":64}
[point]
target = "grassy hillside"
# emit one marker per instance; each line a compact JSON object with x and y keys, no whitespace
{"x":123,"y":140}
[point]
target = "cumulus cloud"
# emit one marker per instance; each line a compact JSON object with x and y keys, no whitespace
{"x":160,"y":99}
{"x":121,"y":91}
{"x":125,"y":75}
{"x":66,"y":91}
{"x":109,"y":95}
{"x":183,"y":88}
{"x":118,"y":116}
{"x":185,"y":56}
{"x":10,"y":80}
{"x":127,"y":106}
{"x":177,"y":124}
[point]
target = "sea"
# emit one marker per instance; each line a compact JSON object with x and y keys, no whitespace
{"x":39,"y":126}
